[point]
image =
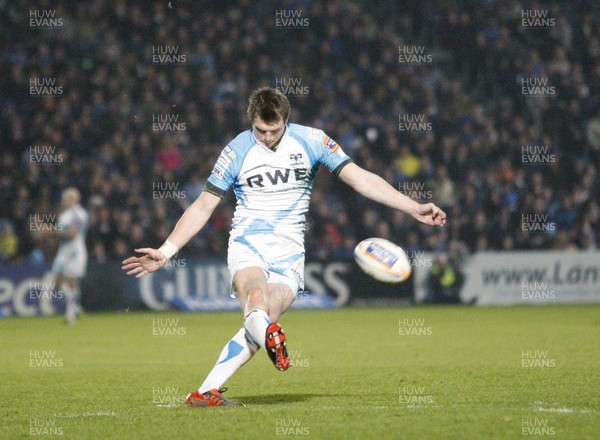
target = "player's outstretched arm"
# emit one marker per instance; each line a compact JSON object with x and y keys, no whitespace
{"x":191,"y":222}
{"x":375,"y":188}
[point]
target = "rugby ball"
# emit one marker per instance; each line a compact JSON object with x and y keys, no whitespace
{"x":383,"y":260}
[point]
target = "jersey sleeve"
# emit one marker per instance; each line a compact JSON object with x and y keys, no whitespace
{"x":329,"y":153}
{"x":64,"y":220}
{"x":224,"y":172}
{"x":70,"y":220}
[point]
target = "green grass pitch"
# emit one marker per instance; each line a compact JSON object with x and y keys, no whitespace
{"x":369,"y":373}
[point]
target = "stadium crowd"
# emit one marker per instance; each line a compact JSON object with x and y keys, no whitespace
{"x":141,"y":98}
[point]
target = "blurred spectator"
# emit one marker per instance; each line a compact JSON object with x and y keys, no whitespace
{"x":444,"y":282}
{"x":9,"y":242}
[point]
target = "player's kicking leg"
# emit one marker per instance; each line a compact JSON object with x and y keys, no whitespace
{"x":241,"y":348}
{"x":279,"y":298}
{"x":251,"y":284}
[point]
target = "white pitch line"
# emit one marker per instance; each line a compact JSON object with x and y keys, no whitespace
{"x":562,"y":410}
{"x":346,"y":408}
{"x":87,"y":414}
{"x":538,"y":407}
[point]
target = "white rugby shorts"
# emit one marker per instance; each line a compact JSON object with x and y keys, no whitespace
{"x":280,"y":257}
{"x":70,"y":261}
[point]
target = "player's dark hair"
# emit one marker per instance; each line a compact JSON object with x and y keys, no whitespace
{"x":268,"y":104}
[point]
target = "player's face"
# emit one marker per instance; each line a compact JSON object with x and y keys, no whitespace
{"x":67,"y":201}
{"x":269,"y":134}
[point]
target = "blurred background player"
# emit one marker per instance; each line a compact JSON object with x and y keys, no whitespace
{"x":71,"y":259}
{"x":271,"y":169}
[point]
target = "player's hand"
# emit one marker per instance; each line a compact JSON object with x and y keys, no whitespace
{"x":430,"y":214}
{"x":150,"y":261}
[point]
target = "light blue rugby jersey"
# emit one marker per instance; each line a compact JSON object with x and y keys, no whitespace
{"x":73,"y":217}
{"x":272,"y":188}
